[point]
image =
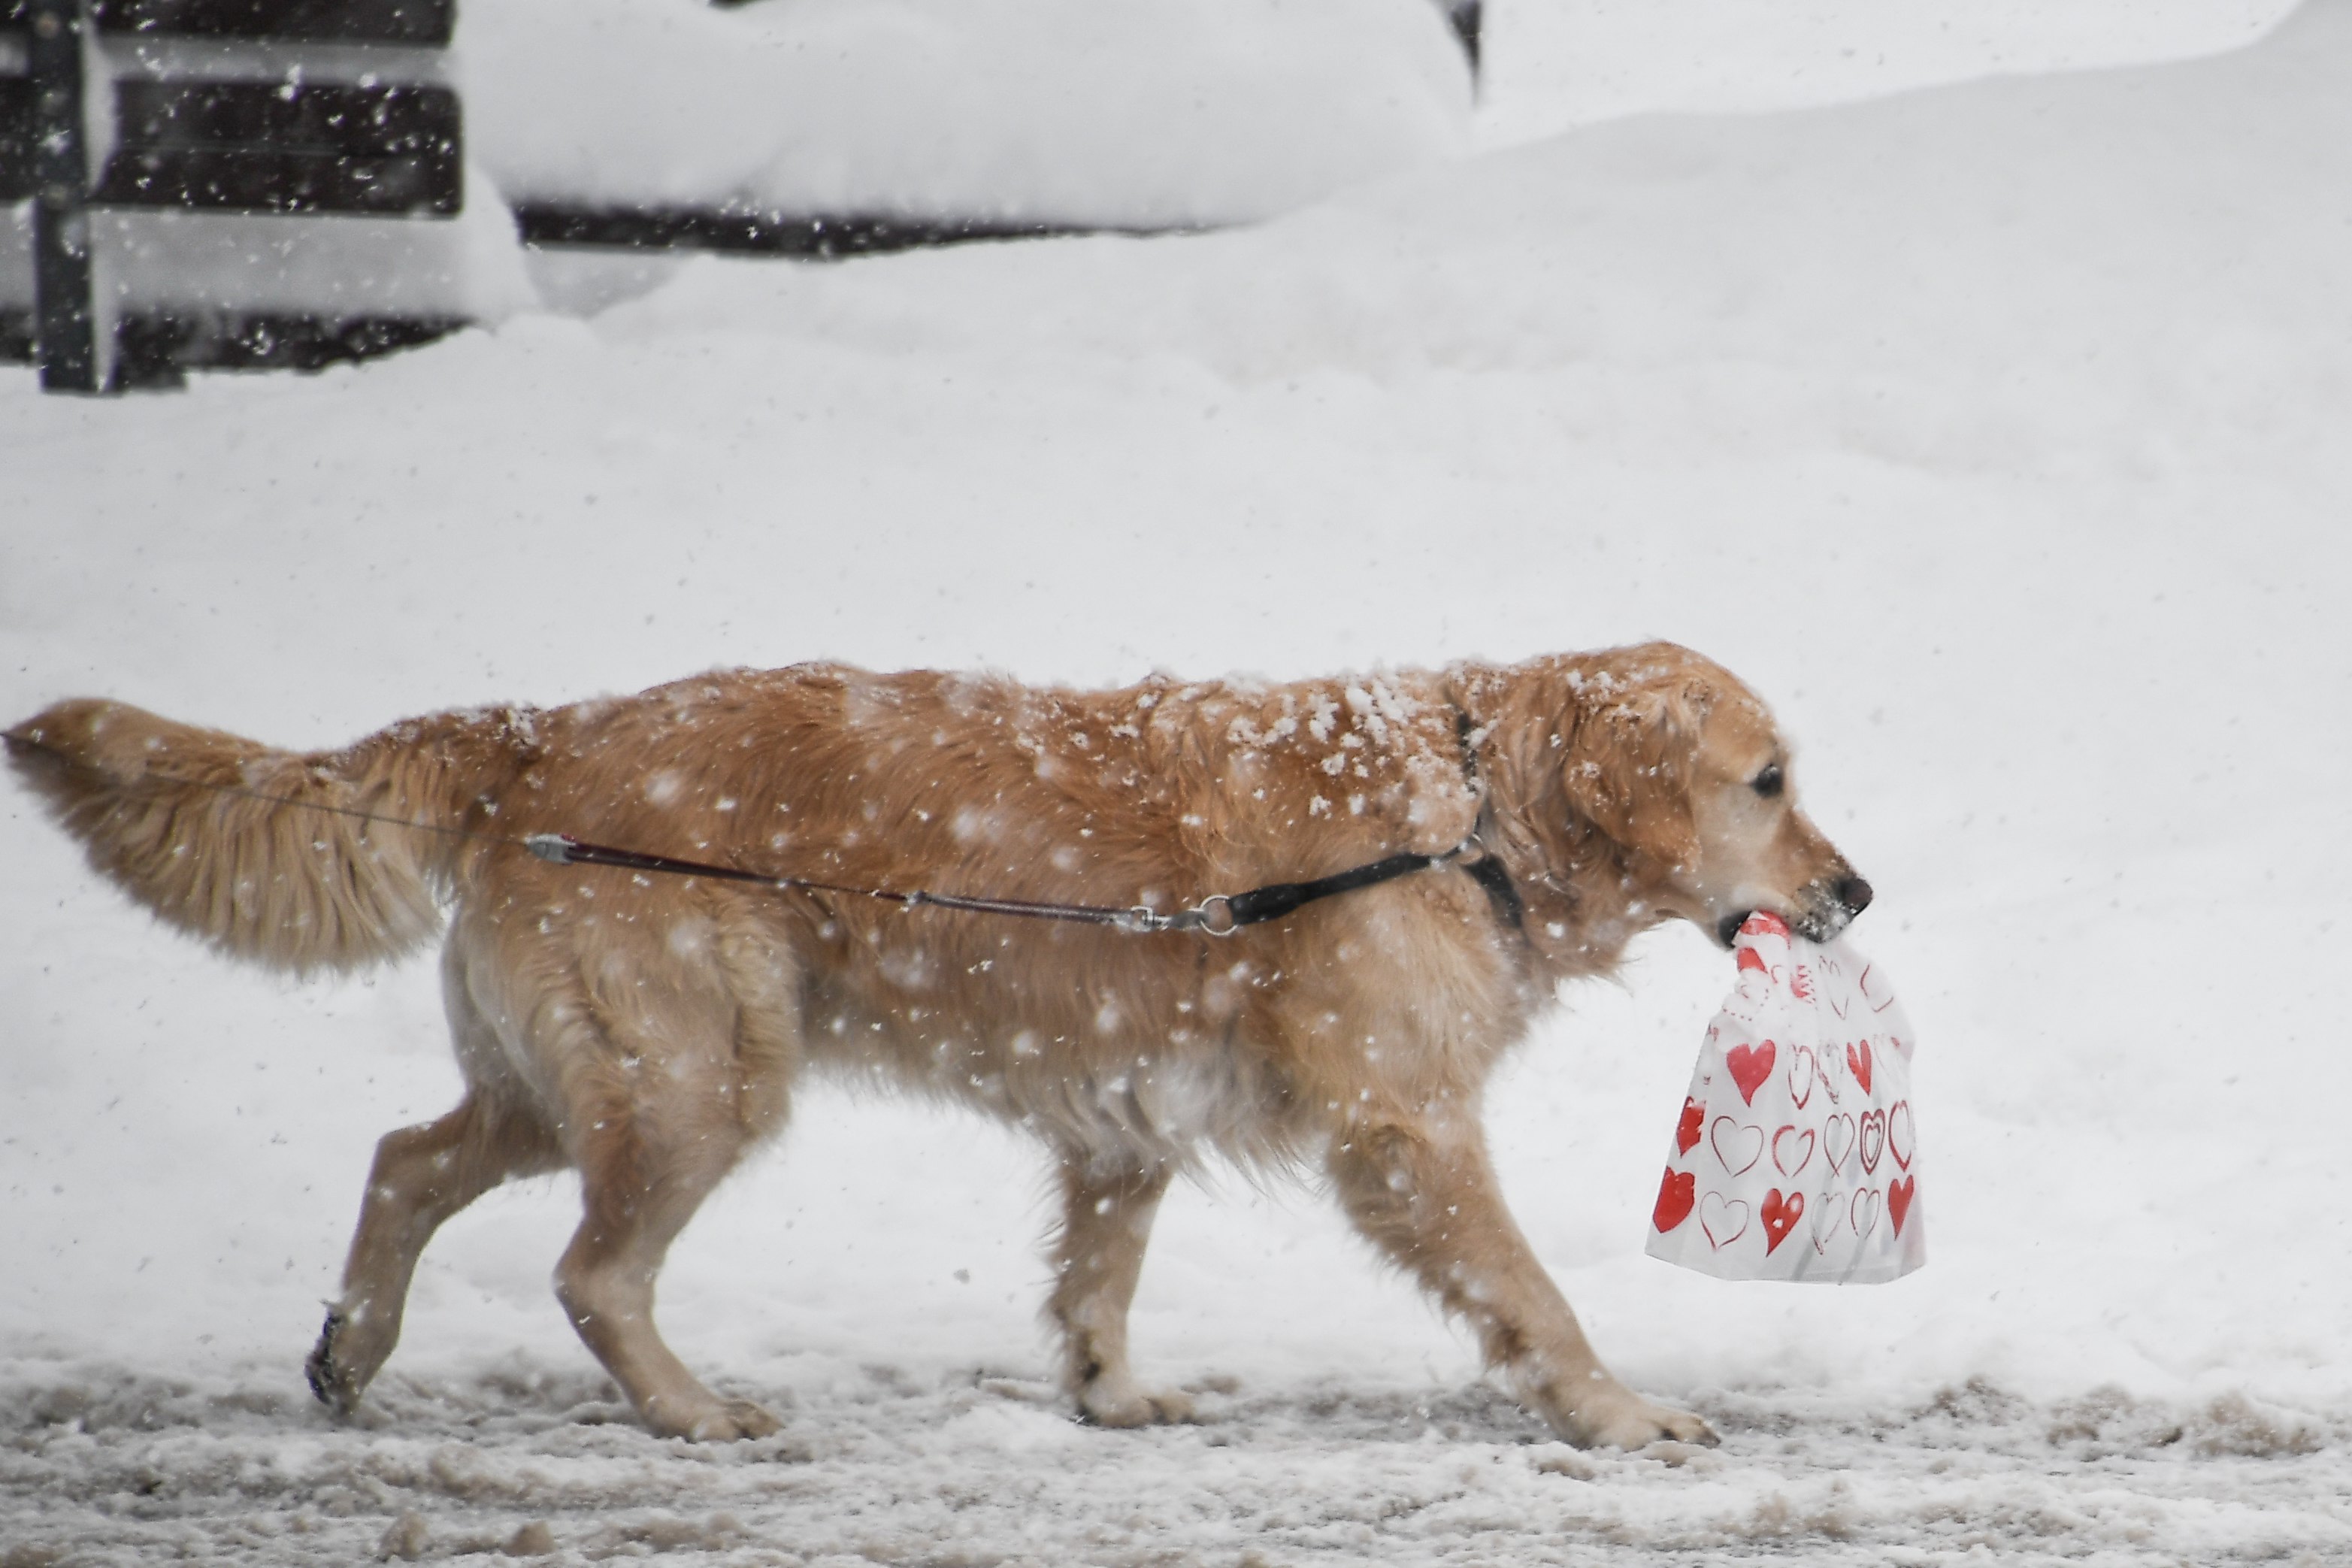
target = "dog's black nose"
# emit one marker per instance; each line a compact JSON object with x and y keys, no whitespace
{"x":1854,"y":894}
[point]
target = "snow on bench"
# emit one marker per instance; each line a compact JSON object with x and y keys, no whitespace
{"x":833,"y":128}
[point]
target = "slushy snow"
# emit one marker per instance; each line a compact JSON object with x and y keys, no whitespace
{"x":1992,"y":432}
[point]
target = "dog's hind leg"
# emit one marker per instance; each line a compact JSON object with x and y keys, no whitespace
{"x":422,"y":1175}
{"x":672,"y":1036}
{"x":640,"y":1189}
{"x":1097,"y":1256}
{"x":1428,"y":1199}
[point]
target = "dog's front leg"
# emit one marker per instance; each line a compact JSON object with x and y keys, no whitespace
{"x":1107,"y":1217}
{"x":1429,"y":1201}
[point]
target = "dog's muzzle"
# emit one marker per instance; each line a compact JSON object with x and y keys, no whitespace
{"x":1827,"y":911}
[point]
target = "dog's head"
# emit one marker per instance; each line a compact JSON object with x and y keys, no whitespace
{"x":1682,"y":767}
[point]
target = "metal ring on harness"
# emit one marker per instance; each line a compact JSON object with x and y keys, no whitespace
{"x":1213,"y":916}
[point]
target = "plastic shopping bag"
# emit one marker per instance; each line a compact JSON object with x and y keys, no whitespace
{"x":1796,"y":1156}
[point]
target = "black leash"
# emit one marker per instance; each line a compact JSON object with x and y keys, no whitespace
{"x":1219,"y":914}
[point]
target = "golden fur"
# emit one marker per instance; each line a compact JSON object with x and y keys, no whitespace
{"x":648,"y":1030}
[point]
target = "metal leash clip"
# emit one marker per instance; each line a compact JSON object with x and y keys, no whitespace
{"x":555,"y":847}
{"x":1213,"y":916}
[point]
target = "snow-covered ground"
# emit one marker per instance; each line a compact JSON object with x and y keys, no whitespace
{"x":1551,"y":64}
{"x":1992,"y":432}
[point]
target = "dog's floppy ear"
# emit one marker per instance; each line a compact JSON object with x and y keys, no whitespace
{"x":1628,"y":769}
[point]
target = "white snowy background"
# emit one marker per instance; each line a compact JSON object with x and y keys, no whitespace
{"x":1975,"y":386}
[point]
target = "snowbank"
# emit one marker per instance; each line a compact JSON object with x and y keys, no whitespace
{"x":1554,"y":64}
{"x":1150,"y":113}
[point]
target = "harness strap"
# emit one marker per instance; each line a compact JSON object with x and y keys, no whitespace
{"x":1501,"y":891}
{"x":1488,"y":870}
{"x":1219,"y":914}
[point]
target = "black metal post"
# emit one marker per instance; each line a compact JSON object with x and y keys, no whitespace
{"x":64,"y":319}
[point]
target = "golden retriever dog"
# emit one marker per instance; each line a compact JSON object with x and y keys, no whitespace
{"x":648,"y":1030}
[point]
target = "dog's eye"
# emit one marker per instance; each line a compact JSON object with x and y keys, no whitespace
{"x":1768,"y":782}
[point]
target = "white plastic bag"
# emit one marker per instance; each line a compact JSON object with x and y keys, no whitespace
{"x":1796,"y":1156}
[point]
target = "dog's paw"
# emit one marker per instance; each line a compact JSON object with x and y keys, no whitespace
{"x":1617,"y":1417}
{"x":335,"y":1384}
{"x":734,"y":1421}
{"x":1102,"y":1404}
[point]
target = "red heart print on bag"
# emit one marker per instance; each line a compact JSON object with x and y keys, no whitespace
{"x":1792,"y":1149}
{"x":1780,"y":1216}
{"x":1676,"y":1195}
{"x":1898,"y":1139}
{"x":1837,"y":1140}
{"x":1801,"y":1070}
{"x":1829,"y":1218}
{"x":1860,"y":1063}
{"x":1687,"y":1130}
{"x":1737,"y":1145}
{"x":1898,"y":1200}
{"x":1801,"y":983}
{"x":1865,"y":1212}
{"x":1725,"y":1220}
{"x":1751,"y":959}
{"x":1873,"y":1139}
{"x":1750,"y":1066}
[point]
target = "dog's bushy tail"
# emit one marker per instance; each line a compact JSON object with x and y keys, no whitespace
{"x":175,"y":815}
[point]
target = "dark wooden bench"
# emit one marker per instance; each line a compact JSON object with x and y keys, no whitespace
{"x":195,"y":138}
{"x":197,"y":126}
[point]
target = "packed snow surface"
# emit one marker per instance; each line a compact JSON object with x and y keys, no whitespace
{"x":1993,"y":432}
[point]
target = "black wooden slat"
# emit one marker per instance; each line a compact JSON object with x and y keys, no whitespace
{"x":236,"y":180}
{"x":16,"y":138}
{"x":769,"y":234}
{"x":154,"y":350}
{"x":262,"y":147}
{"x":425,"y":23}
{"x":330,"y":117}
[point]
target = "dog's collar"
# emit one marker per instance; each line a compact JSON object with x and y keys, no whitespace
{"x":1487,"y":870}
